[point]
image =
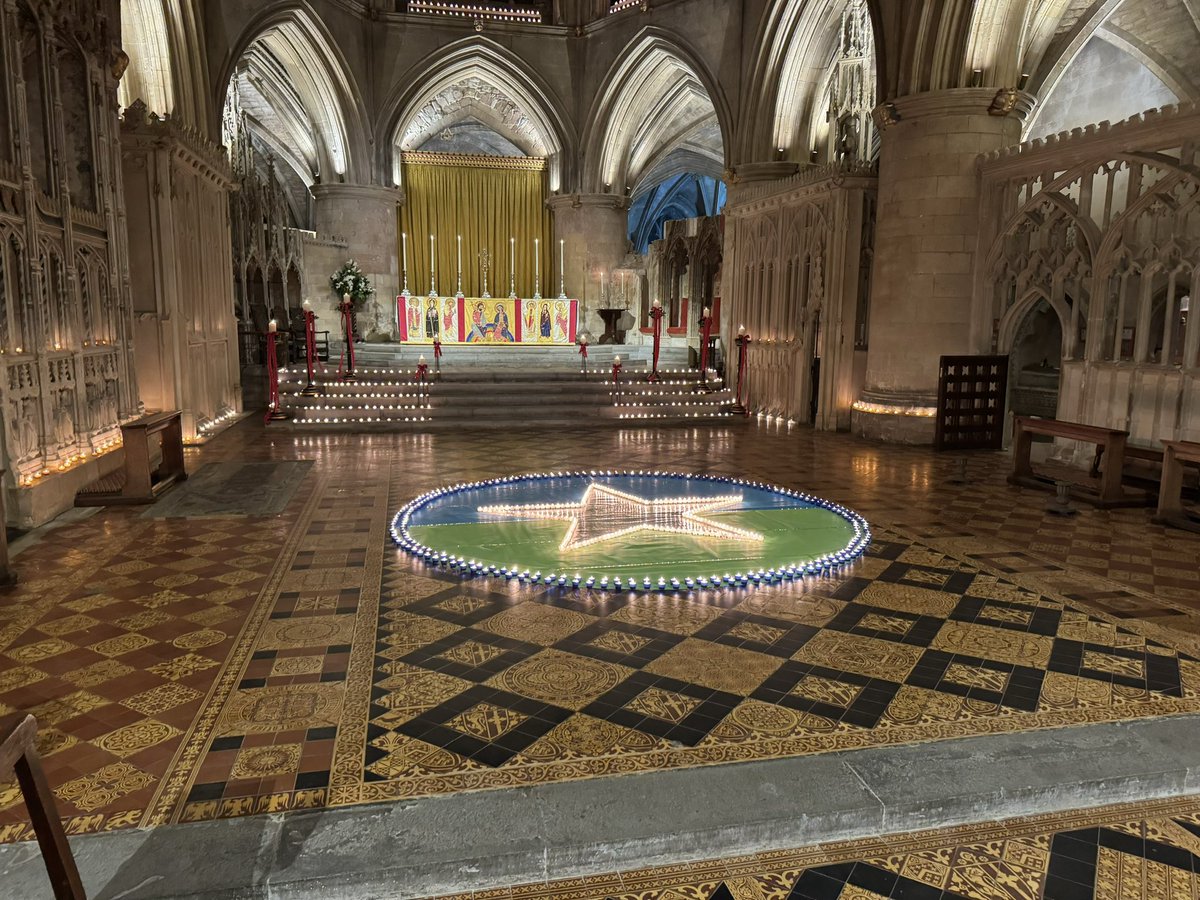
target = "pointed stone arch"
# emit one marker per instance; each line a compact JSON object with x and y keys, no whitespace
{"x":500,"y":88}
{"x":657,"y":96}
{"x":310,"y":88}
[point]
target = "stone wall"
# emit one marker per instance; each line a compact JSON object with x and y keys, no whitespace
{"x":67,"y":378}
{"x":1103,"y":226}
{"x":796,"y":274}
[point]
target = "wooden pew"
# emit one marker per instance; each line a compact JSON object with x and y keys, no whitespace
{"x":1170,"y":489}
{"x":137,"y":482}
{"x":18,"y":756}
{"x":1111,"y":443}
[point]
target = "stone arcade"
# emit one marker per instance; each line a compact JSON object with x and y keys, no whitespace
{"x":615,"y":444}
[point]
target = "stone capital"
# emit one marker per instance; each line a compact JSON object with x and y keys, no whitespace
{"x":357,"y":193}
{"x":764,"y":171}
{"x":594,"y":201}
{"x":955,"y":102}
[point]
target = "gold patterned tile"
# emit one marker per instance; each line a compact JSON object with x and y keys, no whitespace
{"x":669,"y":706}
{"x":110,"y":783}
{"x":286,"y":666}
{"x":890,"y":624}
{"x":182,"y":666}
{"x":472,"y":653}
{"x":860,"y":654}
{"x":536,"y":623}
{"x":125,"y":643}
{"x":161,"y":698}
{"x":1019,"y":648}
{"x":306,"y":631}
{"x":486,"y":721}
{"x":827,"y":690}
{"x":1114,"y":665}
{"x":977,"y":677}
{"x":731,"y":669}
{"x":134,"y":738}
{"x":619,"y":642}
{"x":674,"y":614}
{"x":757,"y":632}
{"x":908,"y":598}
{"x":560,"y":678}
{"x":411,"y":691}
{"x":36,"y":652}
{"x":264,"y":762}
{"x":276,"y":708}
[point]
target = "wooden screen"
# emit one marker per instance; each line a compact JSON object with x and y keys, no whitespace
{"x":970,"y":407}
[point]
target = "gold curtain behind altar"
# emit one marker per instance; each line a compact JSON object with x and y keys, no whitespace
{"x":487,"y":200}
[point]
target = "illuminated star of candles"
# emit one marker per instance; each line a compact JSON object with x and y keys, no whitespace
{"x":604,"y":513}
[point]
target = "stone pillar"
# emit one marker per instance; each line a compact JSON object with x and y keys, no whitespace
{"x":925,"y":244}
{"x":364,"y":216}
{"x":595,"y":228}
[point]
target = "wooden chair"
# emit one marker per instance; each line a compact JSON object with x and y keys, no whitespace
{"x":18,"y":755}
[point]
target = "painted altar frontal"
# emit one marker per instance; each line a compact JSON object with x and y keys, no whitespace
{"x":499,"y":321}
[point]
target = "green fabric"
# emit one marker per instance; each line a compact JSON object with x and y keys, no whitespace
{"x":791,"y":536}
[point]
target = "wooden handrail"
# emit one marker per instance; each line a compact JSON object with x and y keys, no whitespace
{"x":19,"y":756}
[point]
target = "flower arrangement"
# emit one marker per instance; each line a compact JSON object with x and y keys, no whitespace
{"x":349,"y":279}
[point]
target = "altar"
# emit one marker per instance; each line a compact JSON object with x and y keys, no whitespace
{"x":496,"y":321}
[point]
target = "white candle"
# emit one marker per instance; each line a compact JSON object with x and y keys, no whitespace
{"x":537,"y":262}
{"x":512,"y":255}
{"x":422,"y":360}
{"x":432,"y":268}
{"x":460,"y":259}
{"x":741,"y":330}
{"x":272,"y":326}
{"x":345,"y":298}
{"x":657,"y":303}
{"x":616,"y":360}
{"x":707,"y":312}
{"x":404,"y":253}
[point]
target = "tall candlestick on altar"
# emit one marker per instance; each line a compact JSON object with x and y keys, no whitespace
{"x":404,"y":259}
{"x":512,"y":267}
{"x":562,"y":293}
{"x":432,"y":270}
{"x":537,"y":275}
{"x":459,"y":264}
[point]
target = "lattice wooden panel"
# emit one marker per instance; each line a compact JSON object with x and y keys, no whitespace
{"x":970,"y":407}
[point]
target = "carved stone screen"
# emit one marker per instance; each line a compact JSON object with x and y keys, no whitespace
{"x":970,"y":405}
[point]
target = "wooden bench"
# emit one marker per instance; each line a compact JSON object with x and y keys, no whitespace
{"x":1109,"y":493}
{"x":1171,"y":511}
{"x":19,"y":757}
{"x":138,"y":482}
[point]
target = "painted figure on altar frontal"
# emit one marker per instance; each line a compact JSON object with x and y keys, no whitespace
{"x":432,"y":329}
{"x":530,"y":312}
{"x":479,"y":328}
{"x":560,"y":322}
{"x":450,"y":319}
{"x":414,"y":316}
{"x":544,"y":322}
{"x":500,"y":331}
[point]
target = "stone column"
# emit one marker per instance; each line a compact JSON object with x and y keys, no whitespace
{"x":595,"y":228}
{"x":364,"y":216}
{"x":925,"y":244}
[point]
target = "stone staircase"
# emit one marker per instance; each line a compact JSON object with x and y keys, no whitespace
{"x":489,"y":390}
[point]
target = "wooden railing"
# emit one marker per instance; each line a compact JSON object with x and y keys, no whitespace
{"x":19,"y":757}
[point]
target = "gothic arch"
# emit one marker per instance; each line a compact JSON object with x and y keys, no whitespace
{"x":300,"y":64}
{"x":546,"y":131}
{"x":1011,"y":321}
{"x":795,"y":39}
{"x":657,"y":95}
{"x":167,"y":69}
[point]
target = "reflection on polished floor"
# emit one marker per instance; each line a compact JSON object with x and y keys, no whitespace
{"x":227,"y":660}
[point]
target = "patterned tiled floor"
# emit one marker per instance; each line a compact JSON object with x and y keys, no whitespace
{"x":1140,"y":852}
{"x":210,"y":664}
